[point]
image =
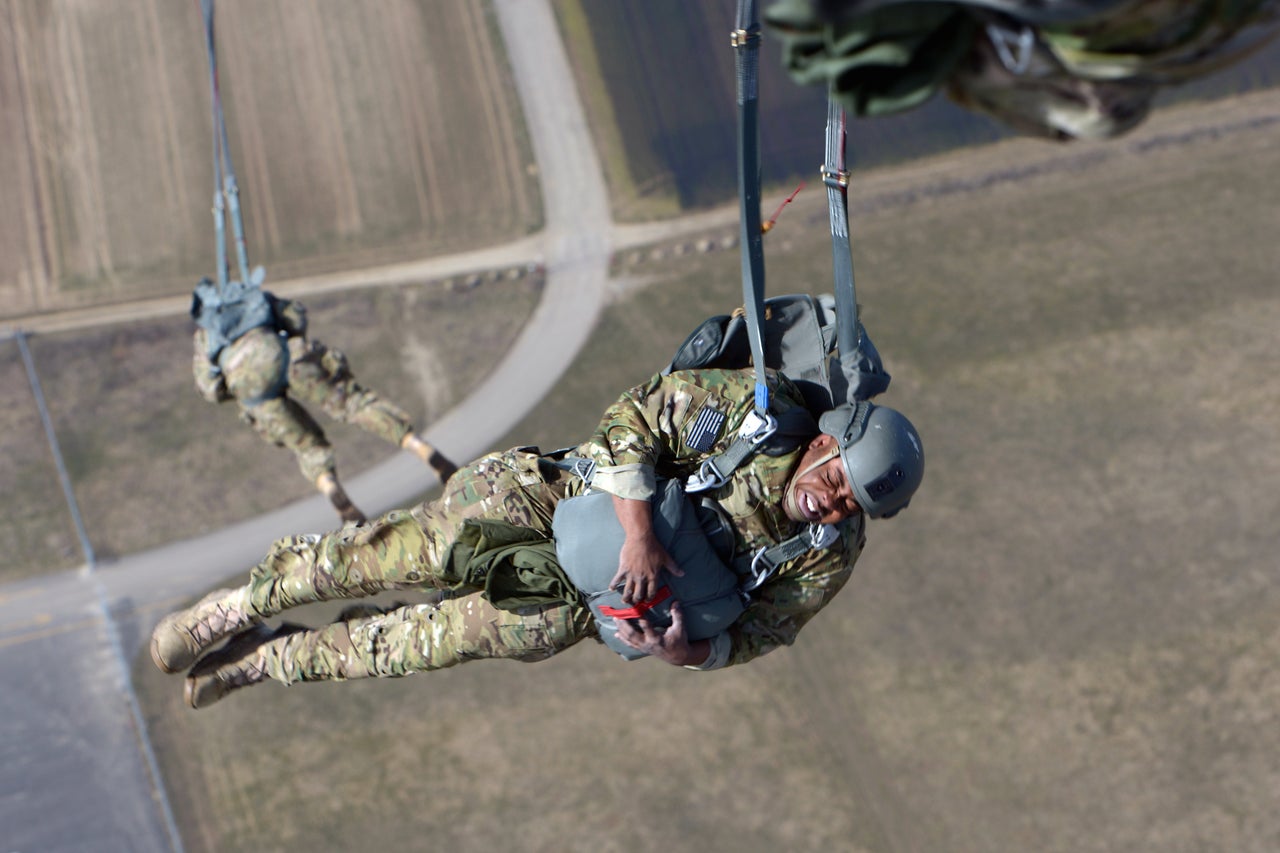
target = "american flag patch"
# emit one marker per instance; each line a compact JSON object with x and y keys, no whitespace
{"x":705,"y":429}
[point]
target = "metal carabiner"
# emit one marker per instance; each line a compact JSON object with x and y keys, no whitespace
{"x":1006,"y":42}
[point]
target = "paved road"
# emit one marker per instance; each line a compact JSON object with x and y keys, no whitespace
{"x":76,"y":769}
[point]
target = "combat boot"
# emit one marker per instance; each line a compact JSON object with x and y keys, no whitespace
{"x":240,"y":663}
{"x":328,"y":483}
{"x":431,"y":456}
{"x":181,"y":637}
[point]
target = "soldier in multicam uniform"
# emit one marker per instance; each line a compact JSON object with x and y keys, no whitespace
{"x":511,"y":497}
{"x":1061,"y":69}
{"x":252,"y":347}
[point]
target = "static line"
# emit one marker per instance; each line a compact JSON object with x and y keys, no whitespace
{"x":90,"y":559}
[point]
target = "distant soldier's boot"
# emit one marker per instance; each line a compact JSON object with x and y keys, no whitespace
{"x":425,"y":451}
{"x":328,"y":483}
{"x":181,"y":637}
{"x":240,"y":663}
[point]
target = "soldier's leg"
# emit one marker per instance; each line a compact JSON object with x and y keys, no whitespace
{"x":402,"y":641}
{"x":405,"y":549}
{"x":283,"y":422}
{"x":322,"y":377}
{"x":349,"y":563}
{"x":401,"y":550}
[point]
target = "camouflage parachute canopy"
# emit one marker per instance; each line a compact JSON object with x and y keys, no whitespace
{"x":1062,"y":69}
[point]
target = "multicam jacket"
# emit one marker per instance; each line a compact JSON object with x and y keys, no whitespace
{"x":666,"y":428}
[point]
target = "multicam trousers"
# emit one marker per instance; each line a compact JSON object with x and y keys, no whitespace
{"x":321,"y":376}
{"x":403,"y":550}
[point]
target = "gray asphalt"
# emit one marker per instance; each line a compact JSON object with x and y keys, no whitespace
{"x":76,"y":768}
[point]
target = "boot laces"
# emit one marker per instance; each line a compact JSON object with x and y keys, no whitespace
{"x":216,"y":623}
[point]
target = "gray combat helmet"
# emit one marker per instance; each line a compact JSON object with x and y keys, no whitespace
{"x":882,"y":454}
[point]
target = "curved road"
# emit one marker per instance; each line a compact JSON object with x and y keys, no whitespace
{"x":76,"y":768}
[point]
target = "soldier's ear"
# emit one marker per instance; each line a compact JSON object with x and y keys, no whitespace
{"x":822,"y":441}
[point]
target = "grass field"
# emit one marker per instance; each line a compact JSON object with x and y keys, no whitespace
{"x":149,"y":459}
{"x":359,"y":137}
{"x":1067,"y":643}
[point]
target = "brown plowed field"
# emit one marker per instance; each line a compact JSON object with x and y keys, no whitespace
{"x":361,"y":134}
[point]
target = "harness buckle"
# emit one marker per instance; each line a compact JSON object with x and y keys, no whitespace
{"x":835,"y":178}
{"x":757,"y":427}
{"x":1013,"y":48}
{"x":822,"y":536}
{"x":584,"y":469}
{"x":744,"y":38}
{"x":760,"y":571}
{"x":706,"y":477}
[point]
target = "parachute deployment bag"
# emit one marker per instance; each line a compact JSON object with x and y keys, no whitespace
{"x":589,"y":538}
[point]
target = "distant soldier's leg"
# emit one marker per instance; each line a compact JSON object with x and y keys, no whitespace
{"x":285,"y":423}
{"x":431,"y":455}
{"x":402,"y":641}
{"x":322,"y":377}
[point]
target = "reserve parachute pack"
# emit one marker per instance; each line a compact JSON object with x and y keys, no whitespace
{"x":228,"y":311}
{"x":589,"y":537}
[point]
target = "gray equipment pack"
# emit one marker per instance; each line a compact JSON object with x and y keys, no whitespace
{"x":228,"y":312}
{"x":800,"y":341}
{"x":589,"y":539}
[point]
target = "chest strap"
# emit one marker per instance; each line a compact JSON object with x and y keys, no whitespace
{"x":767,"y":560}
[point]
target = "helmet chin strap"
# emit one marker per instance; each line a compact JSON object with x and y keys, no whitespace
{"x":791,"y":504}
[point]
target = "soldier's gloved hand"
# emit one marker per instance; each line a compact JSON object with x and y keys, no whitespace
{"x":671,"y":645}
{"x":640,"y":565}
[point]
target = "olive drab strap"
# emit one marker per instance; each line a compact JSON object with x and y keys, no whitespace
{"x":226,"y":194}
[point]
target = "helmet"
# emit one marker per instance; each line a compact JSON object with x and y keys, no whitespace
{"x":882,"y":454}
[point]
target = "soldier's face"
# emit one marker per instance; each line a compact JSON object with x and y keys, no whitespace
{"x":819,"y":491}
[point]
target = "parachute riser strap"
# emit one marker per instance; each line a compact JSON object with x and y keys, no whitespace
{"x":746,"y":45}
{"x":224,"y":178}
{"x":768,"y":559}
{"x":836,"y":179}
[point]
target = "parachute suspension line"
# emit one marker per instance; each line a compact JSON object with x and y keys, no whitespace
{"x":773,"y":220}
{"x":746,"y":44}
{"x":219,"y":209}
{"x":226,"y":194}
{"x":836,"y":177}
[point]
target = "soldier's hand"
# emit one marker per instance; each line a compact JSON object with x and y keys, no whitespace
{"x":671,"y":645}
{"x":640,"y":565}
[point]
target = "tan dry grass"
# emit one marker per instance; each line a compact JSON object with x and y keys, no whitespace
{"x":1068,"y":642}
